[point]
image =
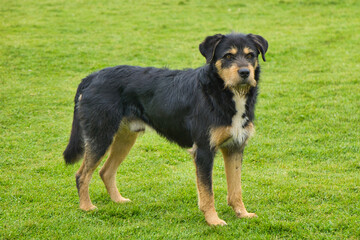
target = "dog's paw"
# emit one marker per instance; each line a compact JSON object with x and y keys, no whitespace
{"x":219,"y":223}
{"x":245,"y":215}
{"x":88,"y":207}
{"x":122,"y":200}
{"x":216,"y":222}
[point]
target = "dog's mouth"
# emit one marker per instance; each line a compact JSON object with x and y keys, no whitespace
{"x":243,"y":86}
{"x":247,"y":82}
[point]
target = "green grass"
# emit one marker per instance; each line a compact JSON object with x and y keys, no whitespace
{"x":301,"y":171}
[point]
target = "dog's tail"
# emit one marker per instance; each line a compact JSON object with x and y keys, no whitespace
{"x":75,"y":149}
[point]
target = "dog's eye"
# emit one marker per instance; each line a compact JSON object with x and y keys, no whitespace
{"x":228,"y":56}
{"x":249,"y":56}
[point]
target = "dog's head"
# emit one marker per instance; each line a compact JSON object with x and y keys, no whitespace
{"x":235,"y":57}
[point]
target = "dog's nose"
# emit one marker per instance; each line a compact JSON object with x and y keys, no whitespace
{"x":244,"y":72}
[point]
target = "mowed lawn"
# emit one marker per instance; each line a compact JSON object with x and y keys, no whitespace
{"x":301,"y":171}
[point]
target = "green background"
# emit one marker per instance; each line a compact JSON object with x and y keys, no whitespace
{"x":301,"y":169}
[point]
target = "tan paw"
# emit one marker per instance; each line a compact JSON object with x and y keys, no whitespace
{"x":219,"y":223}
{"x":215,"y":221}
{"x":122,"y":200}
{"x":88,"y":207}
{"x":245,"y":215}
{"x":249,"y":215}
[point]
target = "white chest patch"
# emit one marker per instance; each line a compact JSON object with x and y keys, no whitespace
{"x":239,"y":133}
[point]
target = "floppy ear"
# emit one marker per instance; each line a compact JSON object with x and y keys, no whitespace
{"x":260,"y":43}
{"x":208,"y":46}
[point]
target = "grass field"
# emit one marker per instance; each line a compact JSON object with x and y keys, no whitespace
{"x":301,"y":172}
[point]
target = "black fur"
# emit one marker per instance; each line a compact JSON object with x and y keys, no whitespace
{"x":175,"y":103}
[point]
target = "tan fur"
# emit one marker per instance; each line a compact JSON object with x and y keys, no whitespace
{"x":206,"y":204}
{"x":247,"y":50}
{"x":85,"y":173}
{"x":233,"y":51}
{"x":256,"y":64}
{"x":119,"y":149}
{"x":252,"y":81}
{"x":230,"y":75}
{"x":243,"y":90}
{"x":219,"y":135}
{"x":232,"y":162}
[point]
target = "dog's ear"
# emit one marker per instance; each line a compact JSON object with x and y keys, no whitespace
{"x":260,"y":43}
{"x":208,"y":46}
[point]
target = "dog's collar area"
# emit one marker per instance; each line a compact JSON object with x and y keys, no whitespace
{"x":241,"y":90}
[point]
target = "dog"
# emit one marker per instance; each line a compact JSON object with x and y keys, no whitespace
{"x":206,"y":109}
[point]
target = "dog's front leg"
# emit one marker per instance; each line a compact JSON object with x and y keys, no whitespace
{"x":233,"y":162}
{"x":204,"y":159}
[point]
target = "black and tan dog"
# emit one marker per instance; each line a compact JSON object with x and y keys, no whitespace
{"x":210,"y":108}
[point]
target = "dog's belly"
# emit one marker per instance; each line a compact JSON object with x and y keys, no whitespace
{"x":175,"y":134}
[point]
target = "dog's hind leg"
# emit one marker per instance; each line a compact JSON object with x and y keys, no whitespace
{"x":99,"y":131}
{"x":204,"y":163}
{"x":123,"y":141}
{"x":233,"y":162}
{"x":83,"y":177}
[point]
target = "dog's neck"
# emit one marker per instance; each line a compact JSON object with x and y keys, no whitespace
{"x":242,"y":91}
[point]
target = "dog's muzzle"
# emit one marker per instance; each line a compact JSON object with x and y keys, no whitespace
{"x":244,"y":74}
